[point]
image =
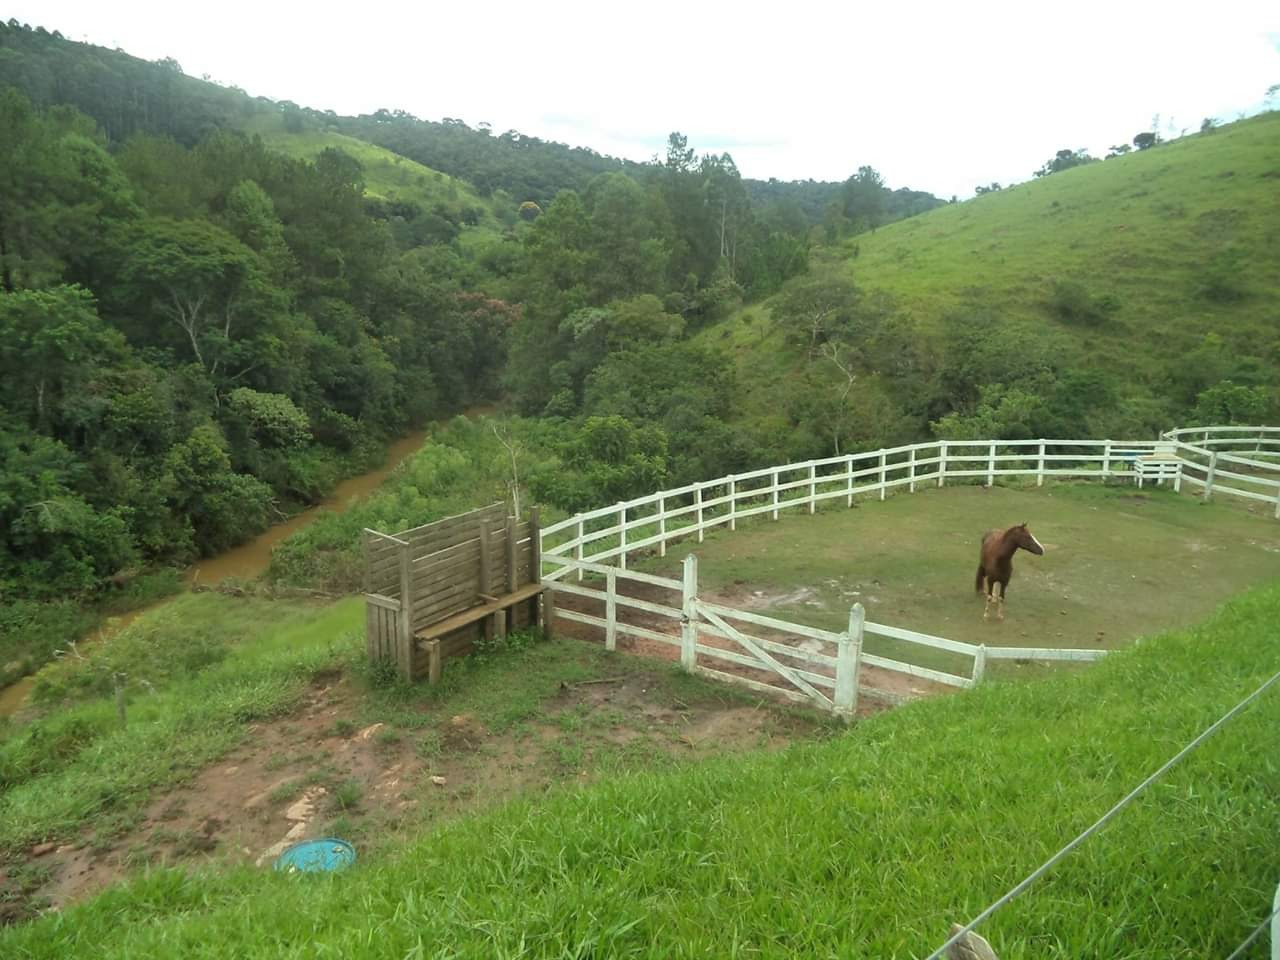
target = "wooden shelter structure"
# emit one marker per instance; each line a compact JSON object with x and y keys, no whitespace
{"x":432,"y":590}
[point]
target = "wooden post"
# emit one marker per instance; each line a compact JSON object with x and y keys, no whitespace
{"x":1208,"y":481}
{"x":848,"y":481}
{"x":848,"y":657}
{"x":813,"y":487}
{"x":689,"y":617}
{"x":622,"y":535}
{"x":1177,"y":482}
{"x":942,"y":462}
{"x":548,"y":611}
{"x":979,"y":664}
{"x":884,"y":477}
{"x":1106,"y":459}
{"x":775,"y":494}
{"x":535,"y":545}
{"x":611,"y":610}
{"x":513,"y":569}
{"x":535,"y":562}
{"x":404,"y":642}
{"x":991,"y":464}
{"x":434,"y":658}
{"x":911,"y":467}
{"x":577,"y":550}
{"x":1040,"y":467}
{"x":487,"y":626}
{"x":733,"y":503}
{"x":662,"y":526}
{"x":697,"y":499}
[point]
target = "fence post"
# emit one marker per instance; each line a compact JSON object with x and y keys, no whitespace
{"x":991,"y":464}
{"x":1106,"y":460}
{"x":942,"y":462}
{"x":848,"y":480}
{"x":813,"y":487}
{"x":688,"y":619}
{"x":911,"y":465}
{"x":662,"y":526}
{"x":1177,"y":479}
{"x":884,"y":477}
{"x":733,"y":503}
{"x":697,"y":498}
{"x":1040,"y":467}
{"x":848,"y":657}
{"x":775,"y":494}
{"x":611,"y":610}
{"x":404,"y":643}
{"x":577,"y":550}
{"x":535,"y":544}
{"x":1208,"y":480}
{"x":979,"y":664}
{"x":513,"y":556}
{"x":622,"y":535}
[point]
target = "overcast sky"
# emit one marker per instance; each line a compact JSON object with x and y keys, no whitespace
{"x":938,"y":97}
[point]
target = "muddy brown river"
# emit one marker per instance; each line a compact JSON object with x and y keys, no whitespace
{"x":251,"y":558}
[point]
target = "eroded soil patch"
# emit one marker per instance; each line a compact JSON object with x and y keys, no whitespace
{"x":378,"y":775}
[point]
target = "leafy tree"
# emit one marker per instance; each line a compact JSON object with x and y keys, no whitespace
{"x":1065,"y":160}
{"x":1118,"y":150}
{"x":1147,"y":140}
{"x":812,"y":310}
{"x":52,"y":345}
{"x":1227,"y":403}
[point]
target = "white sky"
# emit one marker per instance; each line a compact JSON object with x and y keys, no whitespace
{"x":938,"y":97}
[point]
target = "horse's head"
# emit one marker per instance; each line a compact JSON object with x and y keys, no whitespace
{"x":1024,"y":538}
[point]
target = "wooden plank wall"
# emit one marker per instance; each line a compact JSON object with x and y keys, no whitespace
{"x":445,"y":577}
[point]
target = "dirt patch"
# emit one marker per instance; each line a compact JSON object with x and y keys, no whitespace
{"x":321,"y":772}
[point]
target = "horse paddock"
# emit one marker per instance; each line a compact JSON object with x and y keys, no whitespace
{"x":1118,"y":563}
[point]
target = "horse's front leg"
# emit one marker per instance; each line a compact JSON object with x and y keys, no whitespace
{"x":989,"y":597}
{"x":1000,"y":605}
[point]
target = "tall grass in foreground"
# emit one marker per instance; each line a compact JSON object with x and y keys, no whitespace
{"x":867,"y":845}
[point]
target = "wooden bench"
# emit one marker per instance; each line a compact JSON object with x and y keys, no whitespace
{"x":491,"y":611}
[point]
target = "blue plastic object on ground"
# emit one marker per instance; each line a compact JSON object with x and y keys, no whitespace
{"x":327,"y":853}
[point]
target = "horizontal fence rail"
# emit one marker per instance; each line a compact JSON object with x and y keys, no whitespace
{"x":597,"y":543}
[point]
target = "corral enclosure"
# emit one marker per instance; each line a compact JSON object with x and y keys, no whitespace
{"x":1217,"y":462}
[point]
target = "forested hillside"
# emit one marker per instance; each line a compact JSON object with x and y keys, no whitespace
{"x":212,"y":307}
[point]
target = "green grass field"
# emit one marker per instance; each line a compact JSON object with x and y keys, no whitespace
{"x":867,"y":844}
{"x":1118,"y":564}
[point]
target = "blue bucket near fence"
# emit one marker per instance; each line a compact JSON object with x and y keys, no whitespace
{"x":327,"y":854}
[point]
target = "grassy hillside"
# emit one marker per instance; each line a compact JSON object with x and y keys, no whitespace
{"x":868,"y":844}
{"x":1153,"y":251}
{"x":1148,"y":229}
{"x":387,"y":175}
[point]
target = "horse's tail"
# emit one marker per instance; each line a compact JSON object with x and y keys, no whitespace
{"x":978,"y":583}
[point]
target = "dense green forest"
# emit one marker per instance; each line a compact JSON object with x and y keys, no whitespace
{"x":199,"y":333}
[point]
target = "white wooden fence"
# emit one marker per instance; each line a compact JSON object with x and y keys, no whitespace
{"x":597,"y":543}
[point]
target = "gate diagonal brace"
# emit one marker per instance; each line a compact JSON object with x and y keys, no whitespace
{"x":763,"y":654}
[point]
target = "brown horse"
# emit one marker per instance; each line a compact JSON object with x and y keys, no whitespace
{"x":995,"y":563}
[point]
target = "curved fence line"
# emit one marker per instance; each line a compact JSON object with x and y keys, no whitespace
{"x":658,"y":518}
